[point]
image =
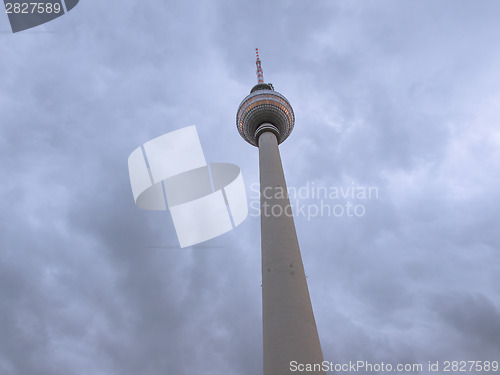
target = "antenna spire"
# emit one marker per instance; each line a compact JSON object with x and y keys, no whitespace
{"x":260,"y":73}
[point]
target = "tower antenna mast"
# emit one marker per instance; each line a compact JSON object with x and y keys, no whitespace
{"x":260,"y":73}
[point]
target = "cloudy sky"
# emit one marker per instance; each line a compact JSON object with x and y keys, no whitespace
{"x":397,"y":95}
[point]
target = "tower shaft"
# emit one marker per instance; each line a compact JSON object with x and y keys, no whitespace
{"x":289,"y":327}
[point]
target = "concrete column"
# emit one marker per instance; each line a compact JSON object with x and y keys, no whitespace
{"x":290,"y":332}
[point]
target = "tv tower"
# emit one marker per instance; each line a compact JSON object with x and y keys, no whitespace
{"x":265,"y":119}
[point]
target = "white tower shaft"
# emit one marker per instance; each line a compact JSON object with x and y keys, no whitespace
{"x":289,"y":327}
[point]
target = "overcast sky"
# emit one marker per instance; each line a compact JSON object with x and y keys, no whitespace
{"x":398,"y":95}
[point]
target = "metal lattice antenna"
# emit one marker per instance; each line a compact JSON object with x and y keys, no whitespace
{"x":260,"y":73}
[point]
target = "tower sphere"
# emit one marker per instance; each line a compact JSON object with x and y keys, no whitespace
{"x":265,"y":107}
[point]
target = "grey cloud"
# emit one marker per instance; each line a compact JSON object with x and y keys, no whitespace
{"x":474,"y":318}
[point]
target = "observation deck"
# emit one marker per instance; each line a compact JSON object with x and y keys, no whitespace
{"x":264,"y":106}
